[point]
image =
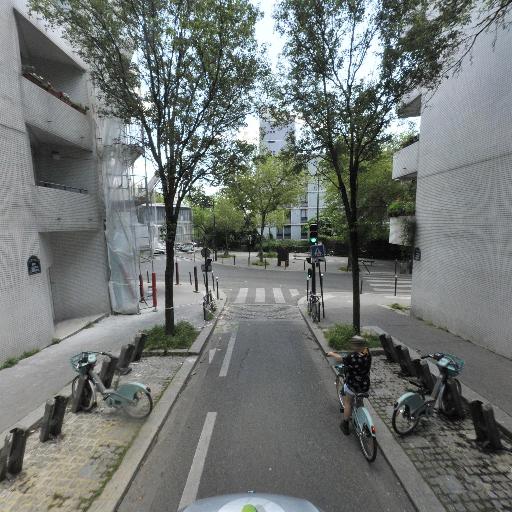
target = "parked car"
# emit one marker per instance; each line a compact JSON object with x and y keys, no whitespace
{"x":159,"y":248}
{"x":188,"y":248}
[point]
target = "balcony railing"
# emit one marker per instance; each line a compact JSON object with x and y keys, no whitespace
{"x":49,"y":184}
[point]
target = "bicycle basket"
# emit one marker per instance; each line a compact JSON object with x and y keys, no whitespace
{"x":83,"y":359}
{"x":452,"y":364}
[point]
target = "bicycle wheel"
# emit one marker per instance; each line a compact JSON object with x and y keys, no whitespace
{"x":140,"y":406}
{"x":88,"y":396}
{"x":402,"y":421}
{"x":368,"y":444}
{"x":448,"y":405}
{"x":339,"y":389}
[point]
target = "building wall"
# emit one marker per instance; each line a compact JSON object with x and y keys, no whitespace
{"x":464,"y":200}
{"x":63,"y":228}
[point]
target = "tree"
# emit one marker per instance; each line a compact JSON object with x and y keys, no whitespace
{"x":185,"y":71}
{"x":349,"y":63}
{"x":263,"y":191}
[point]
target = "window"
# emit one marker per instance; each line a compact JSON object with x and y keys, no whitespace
{"x":287,"y":232}
{"x":288,"y":216}
{"x":303,"y":215}
{"x":304,"y":232}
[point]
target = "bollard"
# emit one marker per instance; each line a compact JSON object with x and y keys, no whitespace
{"x":307,"y":289}
{"x":304,"y":264}
{"x":59,"y":410}
{"x":177,"y":274}
{"x":76,"y":404}
{"x":453,"y":399}
{"x":389,"y":348}
{"x":396,"y":280}
{"x":44,"y":432}
{"x":265,"y":263}
{"x":416,"y":366}
{"x":190,"y":277}
{"x":141,"y":288}
{"x":486,"y":429}
{"x":404,"y":360}
{"x":107,"y":371}
{"x":234,"y":259}
{"x":4,"y":455}
{"x":325,"y":266}
{"x":17,"y":452}
{"x":125,"y":358}
{"x":147,"y":276}
{"x":361,"y":290}
{"x":196,"y":286}
{"x":249,"y":261}
{"x":139,"y":343}
{"x":154,"y":294}
{"x":426,"y":377}
{"x":217,"y":281}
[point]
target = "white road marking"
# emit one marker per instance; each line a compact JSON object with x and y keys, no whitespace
{"x":242,"y":296}
{"x":229,"y":353}
{"x":294,"y":292}
{"x":390,"y":287}
{"x":260,"y":295}
{"x":196,"y":470}
{"x":211,"y":355}
{"x":397,"y":297}
{"x":278,"y":295}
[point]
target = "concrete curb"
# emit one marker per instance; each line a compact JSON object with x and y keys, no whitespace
{"x":419,"y":492}
{"x":118,"y":485}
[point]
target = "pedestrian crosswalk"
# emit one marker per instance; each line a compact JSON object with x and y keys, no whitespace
{"x":265,"y":296}
{"x":384,"y":282}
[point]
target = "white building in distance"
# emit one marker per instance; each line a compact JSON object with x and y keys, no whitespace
{"x":462,"y":278}
{"x":274,"y":138}
{"x":66,"y":192}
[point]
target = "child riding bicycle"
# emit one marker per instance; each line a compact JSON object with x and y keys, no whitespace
{"x":357,"y":380}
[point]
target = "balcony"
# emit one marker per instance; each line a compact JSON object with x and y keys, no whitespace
{"x":410,"y":105}
{"x":50,"y":114}
{"x":62,"y":208}
{"x":405,"y":162}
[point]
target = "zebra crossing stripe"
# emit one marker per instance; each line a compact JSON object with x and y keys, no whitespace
{"x":260,"y":295}
{"x":278,"y":296}
{"x":294,"y":292}
{"x":241,"y":298}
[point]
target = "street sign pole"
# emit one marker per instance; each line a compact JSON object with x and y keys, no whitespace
{"x":313,"y":277}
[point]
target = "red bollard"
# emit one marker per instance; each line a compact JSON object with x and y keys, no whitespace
{"x":141,"y":287}
{"x":153,"y":284}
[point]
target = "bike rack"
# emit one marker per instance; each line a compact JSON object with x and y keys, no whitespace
{"x":404,"y":360}
{"x":486,"y":428}
{"x":13,"y":452}
{"x":108,"y":368}
{"x":53,"y":418}
{"x":77,"y":399}
{"x":387,"y":344}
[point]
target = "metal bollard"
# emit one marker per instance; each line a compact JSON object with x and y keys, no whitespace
{"x":190,"y":277}
{"x":44,"y":432}
{"x":217,"y":281}
{"x":304,"y":264}
{"x":17,"y":452}
{"x":155,"y":293}
{"x":79,"y":390}
{"x":107,"y":371}
{"x":361,"y":290}
{"x":196,"y":285}
{"x":141,"y":288}
{"x":234,"y":259}
{"x":139,"y":343}
{"x":396,"y":281}
{"x":265,"y":263}
{"x":177,"y":274}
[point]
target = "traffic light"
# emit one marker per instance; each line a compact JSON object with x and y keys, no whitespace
{"x":313,"y":233}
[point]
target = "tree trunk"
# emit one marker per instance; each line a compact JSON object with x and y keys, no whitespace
{"x":354,"y":254}
{"x":261,"y":239}
{"x":169,"y":275}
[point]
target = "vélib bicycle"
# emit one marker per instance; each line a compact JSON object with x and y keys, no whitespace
{"x":411,"y":406}
{"x":314,"y":306}
{"x":362,"y":423}
{"x":132,"y":397}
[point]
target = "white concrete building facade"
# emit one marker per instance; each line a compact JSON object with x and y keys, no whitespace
{"x":462,"y":278}
{"x":274,"y":139}
{"x":53,"y":255}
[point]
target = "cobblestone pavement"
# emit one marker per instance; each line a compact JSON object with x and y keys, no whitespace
{"x":463,"y":476}
{"x":67,"y":473}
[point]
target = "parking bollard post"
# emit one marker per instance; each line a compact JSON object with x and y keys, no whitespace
{"x":44,"y":431}
{"x":59,"y":410}
{"x":196,"y":285}
{"x":18,"y":443}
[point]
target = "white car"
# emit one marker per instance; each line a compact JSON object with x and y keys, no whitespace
{"x":159,"y":249}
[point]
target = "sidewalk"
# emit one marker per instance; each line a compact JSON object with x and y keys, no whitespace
{"x":439,"y":464}
{"x":35,"y":379}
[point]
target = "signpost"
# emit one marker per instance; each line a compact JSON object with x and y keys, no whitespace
{"x":318,"y":253}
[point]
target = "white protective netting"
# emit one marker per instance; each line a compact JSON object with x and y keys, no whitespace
{"x":118,"y":153}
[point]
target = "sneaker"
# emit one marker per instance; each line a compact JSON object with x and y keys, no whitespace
{"x":344,"y":427}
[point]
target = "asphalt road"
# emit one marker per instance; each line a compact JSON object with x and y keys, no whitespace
{"x":260,"y":414}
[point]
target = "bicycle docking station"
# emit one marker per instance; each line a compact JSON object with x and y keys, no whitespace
{"x":13,"y":452}
{"x":125,"y":358}
{"x":486,"y":428}
{"x":53,"y":418}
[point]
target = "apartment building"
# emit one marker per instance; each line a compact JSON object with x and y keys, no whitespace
{"x":462,"y":278}
{"x":154,"y":214}
{"x":274,"y":138}
{"x":64,"y":174}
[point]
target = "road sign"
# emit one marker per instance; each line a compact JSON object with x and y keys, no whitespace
{"x":205,"y":252}
{"x":318,"y":252}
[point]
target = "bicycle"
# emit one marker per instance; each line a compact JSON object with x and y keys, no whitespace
{"x":362,"y":423}
{"x":411,"y":406}
{"x":209,"y":304}
{"x":134,"y":398}
{"x":314,"y":307}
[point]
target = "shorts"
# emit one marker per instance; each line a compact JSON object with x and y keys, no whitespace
{"x":347,"y":391}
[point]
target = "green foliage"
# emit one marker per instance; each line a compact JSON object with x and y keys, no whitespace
{"x":399,"y":307}
{"x":184,"y":335}
{"x":338,"y":337}
{"x":13,"y":361}
{"x":399,"y":208}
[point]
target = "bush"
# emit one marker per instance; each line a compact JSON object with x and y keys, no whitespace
{"x":399,"y":208}
{"x":184,"y":335}
{"x":338,"y":337}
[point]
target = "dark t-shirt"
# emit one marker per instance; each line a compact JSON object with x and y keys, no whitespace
{"x":358,"y":371}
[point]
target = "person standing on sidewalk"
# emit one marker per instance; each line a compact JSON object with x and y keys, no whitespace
{"x":357,"y":378}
